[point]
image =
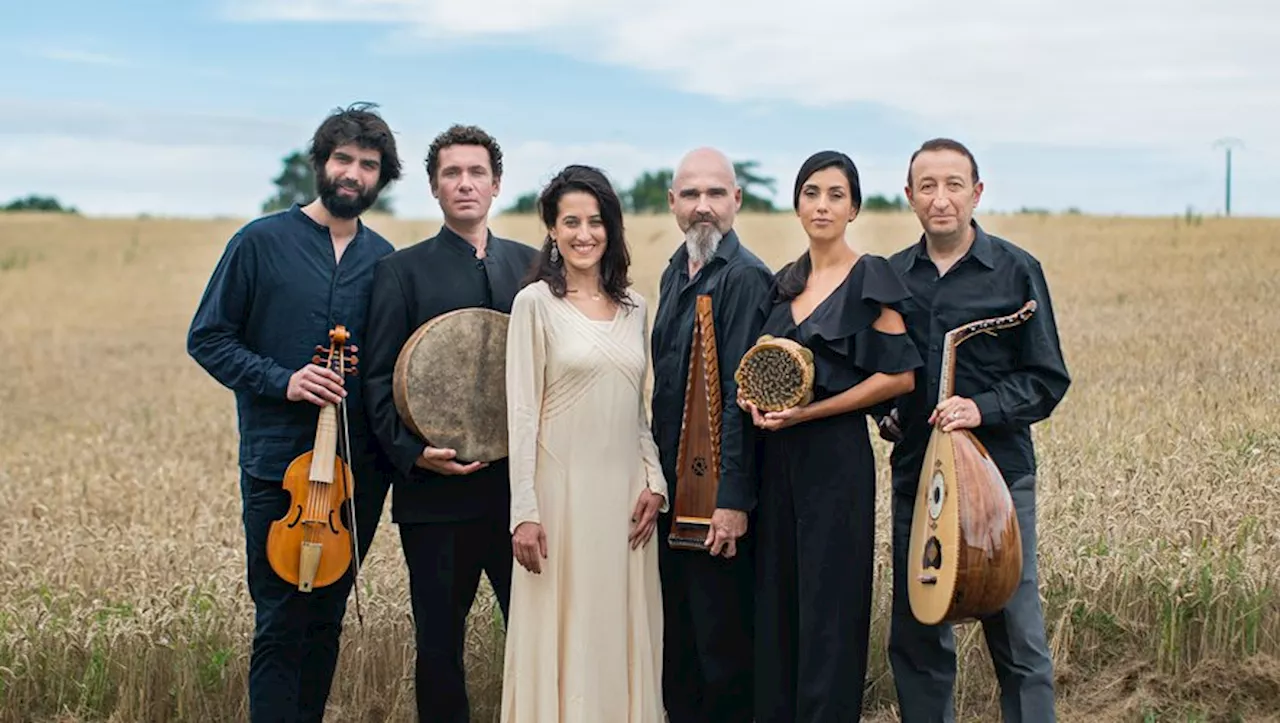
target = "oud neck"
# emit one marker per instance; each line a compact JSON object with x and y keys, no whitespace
{"x":947,"y":382}
{"x":325,"y":450}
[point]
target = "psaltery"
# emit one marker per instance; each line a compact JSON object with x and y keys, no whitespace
{"x":449,"y":383}
{"x":698,"y":458}
{"x":965,"y":556}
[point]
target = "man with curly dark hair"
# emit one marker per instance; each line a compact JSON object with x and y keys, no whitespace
{"x":283,"y":282}
{"x":452,"y":514}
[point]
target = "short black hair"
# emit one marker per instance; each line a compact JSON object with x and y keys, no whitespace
{"x":943,"y":144}
{"x":460,"y":135}
{"x":358,"y":123}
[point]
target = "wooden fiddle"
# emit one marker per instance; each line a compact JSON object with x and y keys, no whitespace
{"x":311,"y":545}
{"x":965,"y":556}
{"x":698,"y":458}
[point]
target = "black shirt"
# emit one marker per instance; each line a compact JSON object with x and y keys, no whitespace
{"x":274,"y":295}
{"x":410,"y":287}
{"x":1016,"y":378}
{"x":739,"y":284}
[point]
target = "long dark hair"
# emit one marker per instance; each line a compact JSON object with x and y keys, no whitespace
{"x":616,"y":260}
{"x":792,"y":280}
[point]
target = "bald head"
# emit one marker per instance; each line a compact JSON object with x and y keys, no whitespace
{"x":708,"y":163}
{"x":703,"y":189}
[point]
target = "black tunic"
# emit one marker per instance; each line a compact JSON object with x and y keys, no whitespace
{"x":410,"y":287}
{"x":816,"y":515}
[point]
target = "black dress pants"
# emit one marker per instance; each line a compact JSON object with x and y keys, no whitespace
{"x":707,"y":669}
{"x":445,"y":560}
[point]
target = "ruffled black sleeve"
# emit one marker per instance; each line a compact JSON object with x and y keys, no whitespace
{"x":847,"y":347}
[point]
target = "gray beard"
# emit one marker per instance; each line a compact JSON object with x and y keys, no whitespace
{"x":702,"y":244}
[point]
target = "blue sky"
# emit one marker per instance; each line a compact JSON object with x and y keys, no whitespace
{"x":186,"y":108}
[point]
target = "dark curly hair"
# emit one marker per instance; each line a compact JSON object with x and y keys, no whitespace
{"x":460,"y":135}
{"x":615,"y":262}
{"x":792,"y":279}
{"x":358,"y":124}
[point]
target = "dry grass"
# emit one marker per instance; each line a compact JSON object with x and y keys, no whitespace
{"x":122,"y":595}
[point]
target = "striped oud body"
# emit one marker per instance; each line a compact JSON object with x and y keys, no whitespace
{"x":965,"y":556}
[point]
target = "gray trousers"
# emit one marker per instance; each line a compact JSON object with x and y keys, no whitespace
{"x":923,"y":656}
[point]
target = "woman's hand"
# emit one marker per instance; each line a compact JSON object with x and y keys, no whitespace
{"x":529,"y":545}
{"x":773,"y":421}
{"x":644,"y":518}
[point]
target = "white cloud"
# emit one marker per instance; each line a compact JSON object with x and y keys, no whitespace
{"x":108,"y":176}
{"x":1096,"y":72}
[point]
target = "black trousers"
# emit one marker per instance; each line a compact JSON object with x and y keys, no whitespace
{"x":445,"y":560}
{"x":707,"y":664}
{"x":296,"y":634}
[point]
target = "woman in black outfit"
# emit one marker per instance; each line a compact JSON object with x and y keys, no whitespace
{"x":816,"y":513}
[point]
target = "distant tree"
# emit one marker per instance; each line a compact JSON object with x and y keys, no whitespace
{"x":38,"y":203}
{"x":748,"y":179}
{"x":649,"y":192}
{"x":297,"y":184}
{"x":525,"y":203}
{"x":880,"y":202}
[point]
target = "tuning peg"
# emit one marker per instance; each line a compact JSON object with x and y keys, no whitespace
{"x":352,"y":372}
{"x":353,"y":360}
{"x":316,"y":360}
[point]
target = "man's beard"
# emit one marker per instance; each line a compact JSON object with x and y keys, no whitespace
{"x":342,"y":206}
{"x":702,"y":241}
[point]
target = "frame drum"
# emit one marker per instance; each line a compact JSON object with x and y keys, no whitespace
{"x":450,"y":384}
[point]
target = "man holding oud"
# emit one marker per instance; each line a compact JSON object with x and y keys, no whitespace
{"x":957,"y":273}
{"x":283,"y":282}
{"x":452,"y":514}
{"x":707,"y":659}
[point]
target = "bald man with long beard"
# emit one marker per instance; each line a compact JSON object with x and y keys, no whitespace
{"x":707,"y":643}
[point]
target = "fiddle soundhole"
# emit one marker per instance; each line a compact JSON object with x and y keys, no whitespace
{"x":296,"y":518}
{"x":937,"y":494}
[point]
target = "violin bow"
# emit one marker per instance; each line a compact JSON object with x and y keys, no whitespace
{"x":351,"y":503}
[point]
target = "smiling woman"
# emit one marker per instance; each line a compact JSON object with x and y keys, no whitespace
{"x":584,"y":640}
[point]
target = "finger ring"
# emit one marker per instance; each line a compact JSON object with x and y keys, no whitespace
{"x":955,"y":415}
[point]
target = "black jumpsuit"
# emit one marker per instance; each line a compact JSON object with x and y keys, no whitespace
{"x":816,"y":513}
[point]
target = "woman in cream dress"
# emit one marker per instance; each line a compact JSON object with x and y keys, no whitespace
{"x":584,"y":640}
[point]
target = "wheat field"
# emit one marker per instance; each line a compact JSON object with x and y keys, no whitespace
{"x":122,"y":593}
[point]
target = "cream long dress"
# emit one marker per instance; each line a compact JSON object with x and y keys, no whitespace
{"x":584,"y":642}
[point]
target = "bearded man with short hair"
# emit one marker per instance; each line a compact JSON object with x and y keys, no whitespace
{"x":707,"y":642}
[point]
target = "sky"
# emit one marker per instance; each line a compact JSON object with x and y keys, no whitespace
{"x":1108,"y":106}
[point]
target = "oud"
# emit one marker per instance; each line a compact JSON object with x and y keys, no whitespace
{"x":698,"y":458}
{"x":965,"y":557}
{"x":311,"y":546}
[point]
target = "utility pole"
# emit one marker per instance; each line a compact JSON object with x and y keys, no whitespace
{"x":1228,"y":144}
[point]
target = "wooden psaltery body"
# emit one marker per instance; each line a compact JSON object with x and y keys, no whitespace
{"x":698,"y":459}
{"x":964,"y":561}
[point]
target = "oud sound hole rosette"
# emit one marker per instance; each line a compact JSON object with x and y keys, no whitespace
{"x":937,"y":495}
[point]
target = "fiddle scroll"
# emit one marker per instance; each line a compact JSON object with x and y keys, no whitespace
{"x":312,"y":545}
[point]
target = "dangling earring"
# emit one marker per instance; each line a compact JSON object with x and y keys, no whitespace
{"x":555,"y":253}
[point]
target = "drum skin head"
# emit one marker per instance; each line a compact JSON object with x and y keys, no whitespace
{"x":449,"y":383}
